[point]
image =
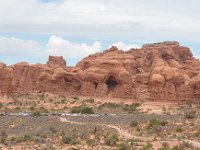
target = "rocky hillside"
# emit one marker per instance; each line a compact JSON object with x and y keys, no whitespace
{"x":161,"y":71}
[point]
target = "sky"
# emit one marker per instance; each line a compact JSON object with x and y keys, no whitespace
{"x":31,"y":30}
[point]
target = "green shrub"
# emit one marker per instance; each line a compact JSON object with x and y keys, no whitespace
{"x":63,"y":100}
{"x":66,"y":139}
{"x":111,"y":141}
{"x":17,"y":108}
{"x":190,"y":114}
{"x":87,"y":110}
{"x":36,"y":114}
{"x":27,"y":137}
{"x":1,"y":105}
{"x":43,"y":110}
{"x":179,"y":129}
{"x":83,"y":110}
{"x":156,"y":122}
{"x":3,"y":137}
{"x":52,"y":129}
{"x":32,"y":108}
{"x":91,"y":142}
{"x":176,"y":148}
{"x":133,"y":123}
{"x":109,"y":105}
{"x":147,"y":146}
{"x":130,"y":108}
{"x":42,"y":96}
{"x":90,"y":100}
{"x":123,"y":146}
{"x":76,"y":110}
{"x":75,"y":97}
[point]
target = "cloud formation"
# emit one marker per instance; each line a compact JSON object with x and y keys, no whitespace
{"x":142,"y":19}
{"x":56,"y":45}
{"x":124,"y":46}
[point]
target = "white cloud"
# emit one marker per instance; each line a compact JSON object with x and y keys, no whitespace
{"x":142,"y":19}
{"x":58,"y":46}
{"x":124,"y":46}
{"x":15,"y":47}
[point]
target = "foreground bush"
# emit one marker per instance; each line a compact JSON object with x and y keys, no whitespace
{"x":156,"y":122}
{"x":111,"y":141}
{"x":82,"y":110}
{"x":133,"y":123}
{"x":36,"y":114}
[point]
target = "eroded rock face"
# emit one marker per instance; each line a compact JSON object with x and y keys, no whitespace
{"x":162,"y":71}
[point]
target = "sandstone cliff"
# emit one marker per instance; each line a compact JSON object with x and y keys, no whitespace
{"x":161,"y":71}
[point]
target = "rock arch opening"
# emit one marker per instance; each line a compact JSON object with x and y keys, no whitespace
{"x":111,"y":83}
{"x":66,"y":80}
{"x":95,"y":85}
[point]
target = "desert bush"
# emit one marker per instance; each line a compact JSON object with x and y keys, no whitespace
{"x":92,"y":142}
{"x":156,"y":122}
{"x":197,"y":134}
{"x":52,"y":129}
{"x":123,"y":146}
{"x":66,"y":139}
{"x":36,"y":114}
{"x":1,"y":105}
{"x":176,"y":148}
{"x":87,"y":110}
{"x":43,"y":110}
{"x":32,"y":108}
{"x":89,"y":100}
{"x":111,"y":141}
{"x":76,"y":110}
{"x":189,"y":114}
{"x":63,"y":100}
{"x":165,"y":146}
{"x":27,"y":137}
{"x":130,"y":108}
{"x":75,"y":97}
{"x":179,"y":129}
{"x":185,"y":145}
{"x":84,"y":135}
{"x":3,"y":137}
{"x":17,"y":108}
{"x":42,"y":96}
{"x":82,"y":109}
{"x":133,"y":123}
{"x":148,"y":146}
{"x":109,"y":105}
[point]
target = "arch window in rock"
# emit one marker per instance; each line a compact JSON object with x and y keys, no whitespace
{"x":111,"y":83}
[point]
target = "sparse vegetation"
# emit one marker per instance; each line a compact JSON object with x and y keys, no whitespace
{"x":123,"y":146}
{"x":52,"y":129}
{"x":148,"y":146}
{"x":36,"y":113}
{"x":156,"y":122}
{"x":82,"y":109}
{"x":1,"y":105}
{"x":130,"y":108}
{"x":189,"y":114}
{"x":133,"y":123}
{"x":179,"y":129}
{"x":111,"y":141}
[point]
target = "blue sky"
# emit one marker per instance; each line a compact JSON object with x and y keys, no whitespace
{"x":30,"y":30}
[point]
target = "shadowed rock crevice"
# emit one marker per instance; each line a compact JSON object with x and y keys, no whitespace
{"x":111,"y":83}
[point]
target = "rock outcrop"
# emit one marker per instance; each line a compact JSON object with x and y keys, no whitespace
{"x":161,"y":71}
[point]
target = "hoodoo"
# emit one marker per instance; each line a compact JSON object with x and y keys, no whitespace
{"x":160,"y":72}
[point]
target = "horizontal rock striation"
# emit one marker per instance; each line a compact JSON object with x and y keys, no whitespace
{"x":159,"y":72}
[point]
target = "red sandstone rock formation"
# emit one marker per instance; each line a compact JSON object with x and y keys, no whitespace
{"x":160,"y":71}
